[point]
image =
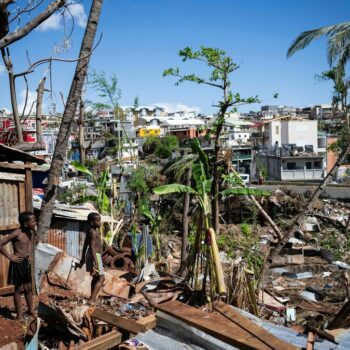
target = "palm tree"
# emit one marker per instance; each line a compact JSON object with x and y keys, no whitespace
{"x":338,"y":47}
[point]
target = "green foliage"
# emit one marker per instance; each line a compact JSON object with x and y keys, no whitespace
{"x":108,"y":90}
{"x":173,"y":188}
{"x":161,"y":147}
{"x":167,"y":146}
{"x":246,"y":229}
{"x":101,"y":199}
{"x":337,"y":46}
{"x":341,"y":84}
{"x":221,"y":67}
{"x":137,"y":181}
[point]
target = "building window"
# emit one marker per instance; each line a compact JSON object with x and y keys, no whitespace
{"x":308,"y":165}
{"x":317,"y":164}
{"x":291,"y":165}
{"x":277,"y":130}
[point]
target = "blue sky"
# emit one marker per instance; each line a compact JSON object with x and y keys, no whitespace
{"x":141,"y":39}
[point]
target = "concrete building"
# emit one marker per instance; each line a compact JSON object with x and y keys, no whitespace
{"x":289,"y":149}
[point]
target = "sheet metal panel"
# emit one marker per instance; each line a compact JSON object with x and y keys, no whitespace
{"x":57,"y":235}
{"x":68,"y":235}
{"x":72,"y":238}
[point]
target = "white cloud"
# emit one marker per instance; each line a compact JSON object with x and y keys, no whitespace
{"x":176,"y":107}
{"x":31,"y":99}
{"x":55,"y":21}
{"x":79,"y":14}
{"x":2,"y":68}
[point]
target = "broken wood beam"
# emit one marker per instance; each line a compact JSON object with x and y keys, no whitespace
{"x":219,"y":327}
{"x":342,"y":319}
{"x":149,"y":322}
{"x":257,"y":331}
{"x":310,"y":341}
{"x":7,"y":290}
{"x":120,"y":322}
{"x":106,"y":341}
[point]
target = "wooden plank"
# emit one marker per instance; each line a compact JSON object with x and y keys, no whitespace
{"x":7,"y":290}
{"x":120,"y":322}
{"x":29,"y":189}
{"x":106,"y":341}
{"x":216,"y":325}
{"x":22,"y":197}
{"x":12,"y":176}
{"x":342,"y":318}
{"x":10,"y":227}
{"x":17,"y":166}
{"x":149,"y":321}
{"x":251,"y":327}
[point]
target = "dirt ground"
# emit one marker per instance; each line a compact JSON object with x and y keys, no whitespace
{"x":11,"y":330}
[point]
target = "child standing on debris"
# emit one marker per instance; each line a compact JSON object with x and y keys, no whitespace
{"x":20,"y":272}
{"x":92,"y":252}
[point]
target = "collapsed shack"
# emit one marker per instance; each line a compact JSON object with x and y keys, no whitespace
{"x":307,"y":284}
{"x":152,"y":309}
{"x":16,"y":196}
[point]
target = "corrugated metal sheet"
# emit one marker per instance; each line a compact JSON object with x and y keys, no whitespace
{"x":72,"y":236}
{"x":9,"y":203}
{"x":68,"y":235}
{"x":57,"y":236}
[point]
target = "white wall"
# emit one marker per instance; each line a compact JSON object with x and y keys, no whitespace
{"x":275,"y":133}
{"x":300,"y":132}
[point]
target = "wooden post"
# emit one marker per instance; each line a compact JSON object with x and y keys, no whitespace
{"x":28,"y":183}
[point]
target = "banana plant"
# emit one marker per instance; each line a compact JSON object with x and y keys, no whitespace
{"x":201,"y":190}
{"x":100,"y":199}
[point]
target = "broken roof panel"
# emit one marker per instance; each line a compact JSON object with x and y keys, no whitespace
{"x":8,"y":154}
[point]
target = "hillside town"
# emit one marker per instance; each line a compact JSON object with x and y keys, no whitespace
{"x":153,"y":226}
{"x":282,"y":143}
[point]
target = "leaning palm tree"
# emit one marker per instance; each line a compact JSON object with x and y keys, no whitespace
{"x":338,"y":47}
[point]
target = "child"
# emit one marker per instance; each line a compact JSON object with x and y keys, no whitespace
{"x":20,"y":273}
{"x":92,"y":252}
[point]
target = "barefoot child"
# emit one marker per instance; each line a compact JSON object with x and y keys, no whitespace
{"x":91,"y":255}
{"x":20,"y":274}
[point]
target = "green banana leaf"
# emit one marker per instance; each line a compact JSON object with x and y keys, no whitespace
{"x":173,"y":188}
{"x":82,"y":168}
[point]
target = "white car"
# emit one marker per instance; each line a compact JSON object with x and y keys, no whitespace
{"x":245,"y":178}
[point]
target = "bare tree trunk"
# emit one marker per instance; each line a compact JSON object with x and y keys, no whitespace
{"x":81,"y":131}
{"x":39,"y":108}
{"x":67,"y":119}
{"x":39,"y":144}
{"x":216,"y":175}
{"x":8,"y":63}
{"x":299,"y":218}
{"x":184,"y":246}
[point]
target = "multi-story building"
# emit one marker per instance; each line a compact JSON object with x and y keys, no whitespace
{"x":289,"y":149}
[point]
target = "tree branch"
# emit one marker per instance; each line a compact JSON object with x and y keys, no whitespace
{"x":27,"y":28}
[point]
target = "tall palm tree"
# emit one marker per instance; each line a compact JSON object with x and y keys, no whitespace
{"x":338,"y":47}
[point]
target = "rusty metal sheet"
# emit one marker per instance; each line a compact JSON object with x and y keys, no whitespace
{"x":57,"y":237}
{"x":68,"y":235}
